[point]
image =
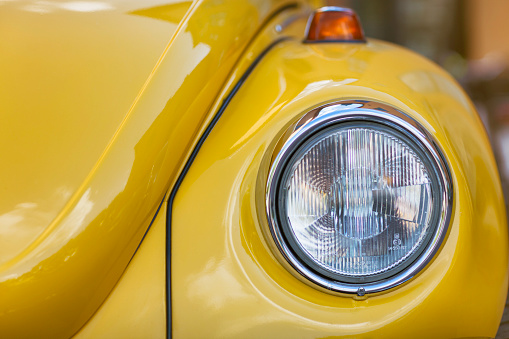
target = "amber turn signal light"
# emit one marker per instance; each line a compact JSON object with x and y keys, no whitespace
{"x":334,"y":24}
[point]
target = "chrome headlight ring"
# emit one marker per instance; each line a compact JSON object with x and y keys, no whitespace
{"x":375,"y":115}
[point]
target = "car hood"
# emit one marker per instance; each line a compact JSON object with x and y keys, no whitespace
{"x":70,"y":72}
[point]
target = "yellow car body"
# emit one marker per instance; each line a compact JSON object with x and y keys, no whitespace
{"x":135,"y":137}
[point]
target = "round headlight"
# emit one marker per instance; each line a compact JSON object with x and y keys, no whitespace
{"x":358,"y":197}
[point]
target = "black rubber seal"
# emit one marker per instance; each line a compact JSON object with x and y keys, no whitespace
{"x":310,"y":42}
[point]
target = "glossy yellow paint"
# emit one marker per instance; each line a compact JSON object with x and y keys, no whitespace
{"x":227,"y":271}
{"x":101,"y":103}
{"x":120,"y":315}
{"x":136,"y":308}
{"x":67,"y":83}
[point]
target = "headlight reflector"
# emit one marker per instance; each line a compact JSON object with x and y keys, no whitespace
{"x":358,"y":197}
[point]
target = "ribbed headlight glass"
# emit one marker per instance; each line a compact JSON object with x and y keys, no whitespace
{"x":358,"y":201}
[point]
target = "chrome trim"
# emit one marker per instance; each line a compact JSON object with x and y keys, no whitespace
{"x":334,"y":9}
{"x":367,"y":111}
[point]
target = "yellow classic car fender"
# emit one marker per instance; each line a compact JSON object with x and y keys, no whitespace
{"x":228,"y":270}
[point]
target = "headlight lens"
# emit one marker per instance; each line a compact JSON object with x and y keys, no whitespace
{"x":358,"y":199}
{"x":357,"y":196}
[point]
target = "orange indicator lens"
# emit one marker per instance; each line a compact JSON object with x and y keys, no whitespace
{"x":334,"y":24}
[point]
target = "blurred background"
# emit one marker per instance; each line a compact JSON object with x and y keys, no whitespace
{"x":470,"y":39}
